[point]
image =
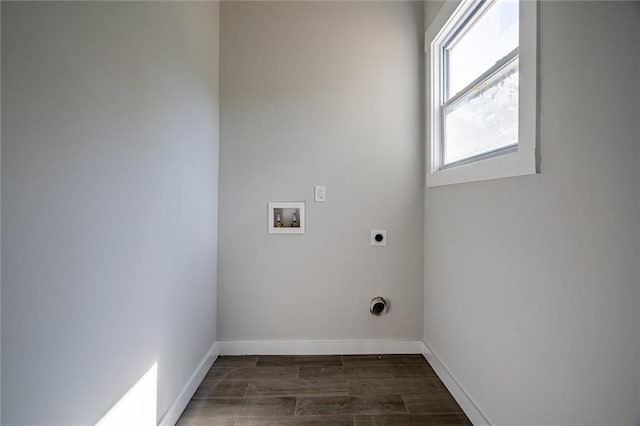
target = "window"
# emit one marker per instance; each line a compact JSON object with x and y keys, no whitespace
{"x":481,"y":91}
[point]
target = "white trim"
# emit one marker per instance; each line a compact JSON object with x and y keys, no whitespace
{"x":528,"y":85}
{"x":518,"y":163}
{"x":318,"y":347}
{"x":461,"y":396}
{"x":174,"y":412}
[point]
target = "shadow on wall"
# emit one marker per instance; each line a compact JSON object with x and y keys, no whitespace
{"x":138,"y":406}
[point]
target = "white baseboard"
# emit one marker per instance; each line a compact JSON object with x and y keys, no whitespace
{"x":467,"y":404}
{"x":175,"y":410}
{"x":318,"y":347}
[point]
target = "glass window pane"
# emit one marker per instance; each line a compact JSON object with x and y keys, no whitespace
{"x":490,"y":38}
{"x":484,"y":120}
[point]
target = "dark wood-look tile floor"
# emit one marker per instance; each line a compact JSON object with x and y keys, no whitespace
{"x":322,"y":390}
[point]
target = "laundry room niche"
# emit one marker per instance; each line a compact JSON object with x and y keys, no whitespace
{"x":286,"y":217}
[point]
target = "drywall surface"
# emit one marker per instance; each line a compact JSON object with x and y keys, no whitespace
{"x":0,"y":217}
{"x":109,"y":201}
{"x":532,"y":283}
{"x":321,"y":93}
{"x":431,"y":9}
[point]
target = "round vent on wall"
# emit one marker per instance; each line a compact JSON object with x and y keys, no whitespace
{"x":378,"y":306}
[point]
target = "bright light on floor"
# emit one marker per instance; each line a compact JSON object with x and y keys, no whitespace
{"x":138,"y":406}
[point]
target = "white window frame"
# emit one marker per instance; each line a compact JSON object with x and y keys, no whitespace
{"x":512,"y":162}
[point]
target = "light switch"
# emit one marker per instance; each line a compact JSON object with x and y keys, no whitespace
{"x":321,"y":194}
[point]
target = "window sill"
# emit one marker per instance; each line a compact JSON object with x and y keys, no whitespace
{"x":518,"y":163}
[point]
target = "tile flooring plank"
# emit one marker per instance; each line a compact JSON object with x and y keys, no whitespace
{"x":264,"y":373}
{"x":431,"y":402}
{"x":295,"y":421}
{"x":272,"y":388}
{"x":214,"y":407}
{"x":269,"y":406}
{"x":216,"y":374}
{"x":455,"y":419}
{"x":221,"y":388}
{"x":299,"y":360}
{"x":326,"y":405}
{"x":236,"y":361}
{"x":378,"y":404}
{"x":332,"y":386}
{"x":207,"y":421}
{"x":384,"y":359}
{"x":369,"y":372}
{"x":393,"y":386}
{"x":362,"y":372}
{"x":322,"y":372}
{"x":412,"y":371}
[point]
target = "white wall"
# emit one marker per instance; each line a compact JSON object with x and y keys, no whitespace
{"x":321,"y":93}
{"x":531,"y":286}
{"x":109,"y":201}
{"x":0,"y":217}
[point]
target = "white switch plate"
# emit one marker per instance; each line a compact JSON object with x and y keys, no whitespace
{"x":320,"y":193}
{"x":382,"y":232}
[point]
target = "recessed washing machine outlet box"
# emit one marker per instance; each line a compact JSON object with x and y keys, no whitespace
{"x":379,"y":237}
{"x":286,"y":217}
